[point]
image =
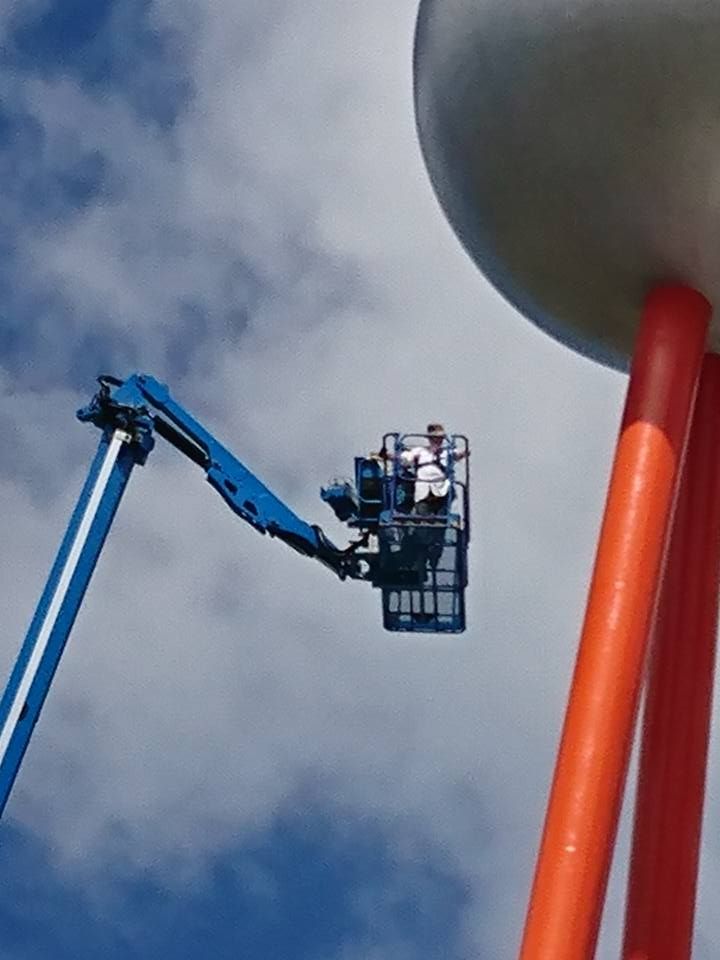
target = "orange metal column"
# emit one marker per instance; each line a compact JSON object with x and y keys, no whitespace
{"x":571,"y":876}
{"x":671,"y":787}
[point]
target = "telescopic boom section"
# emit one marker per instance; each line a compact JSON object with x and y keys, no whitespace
{"x":40,"y":654}
{"x":129,"y":413}
{"x":246,"y":496}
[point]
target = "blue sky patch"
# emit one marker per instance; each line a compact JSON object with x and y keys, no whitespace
{"x":105,"y":44}
{"x":313,"y":883}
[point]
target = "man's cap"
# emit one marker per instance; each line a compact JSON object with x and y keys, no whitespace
{"x":436,"y":430}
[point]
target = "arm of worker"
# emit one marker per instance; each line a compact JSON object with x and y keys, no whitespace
{"x":406,"y":457}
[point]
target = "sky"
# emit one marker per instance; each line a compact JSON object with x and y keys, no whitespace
{"x":235,"y":760}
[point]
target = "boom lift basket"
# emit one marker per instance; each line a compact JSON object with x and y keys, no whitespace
{"x":418,"y":560}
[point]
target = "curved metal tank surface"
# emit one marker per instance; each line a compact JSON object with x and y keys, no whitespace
{"x":575,"y":148}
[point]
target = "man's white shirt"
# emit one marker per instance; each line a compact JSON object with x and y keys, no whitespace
{"x":431,"y":471}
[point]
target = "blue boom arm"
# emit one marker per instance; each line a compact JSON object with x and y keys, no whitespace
{"x":129,"y":413}
{"x":142,"y":396}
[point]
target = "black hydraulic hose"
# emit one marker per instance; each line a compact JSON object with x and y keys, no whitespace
{"x":184,"y":444}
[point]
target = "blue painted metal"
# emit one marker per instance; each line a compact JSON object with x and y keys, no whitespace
{"x":428,"y":593}
{"x":379,"y":505}
{"x":359,"y":502}
{"x":142,"y":395}
{"x":342,"y":497}
{"x":418,"y":562}
{"x":45,"y":641}
{"x":129,"y":413}
{"x":242,"y":491}
{"x":372,"y":491}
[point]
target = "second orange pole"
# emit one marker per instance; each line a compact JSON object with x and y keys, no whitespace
{"x":581,"y":823}
{"x":669,"y":805}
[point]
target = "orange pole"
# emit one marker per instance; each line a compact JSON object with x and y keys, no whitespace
{"x":676,"y":728}
{"x":574,"y":860}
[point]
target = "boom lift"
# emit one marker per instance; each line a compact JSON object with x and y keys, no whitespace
{"x":419,"y":563}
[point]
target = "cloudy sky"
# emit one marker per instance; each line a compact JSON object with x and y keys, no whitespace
{"x":235,"y":760}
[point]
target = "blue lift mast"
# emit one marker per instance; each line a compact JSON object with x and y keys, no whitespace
{"x":130,"y":413}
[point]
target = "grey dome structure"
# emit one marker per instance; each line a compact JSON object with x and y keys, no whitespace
{"x":575,"y":148}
